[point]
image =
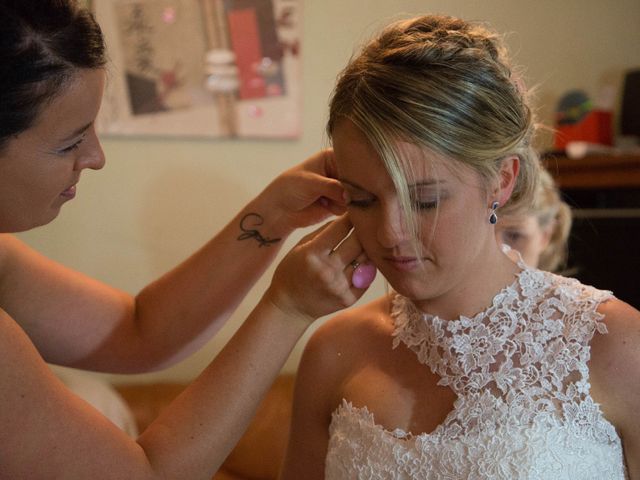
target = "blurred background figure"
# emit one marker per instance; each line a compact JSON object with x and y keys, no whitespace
{"x":540,"y":233}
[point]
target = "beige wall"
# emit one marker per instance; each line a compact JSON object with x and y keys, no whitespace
{"x":157,"y":200}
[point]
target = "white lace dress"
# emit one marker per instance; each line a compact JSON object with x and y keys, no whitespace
{"x":523,"y":410}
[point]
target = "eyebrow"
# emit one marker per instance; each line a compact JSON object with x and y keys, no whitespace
{"x":77,"y":132}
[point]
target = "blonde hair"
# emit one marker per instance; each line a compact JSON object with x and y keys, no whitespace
{"x":446,"y":85}
{"x":551,"y":211}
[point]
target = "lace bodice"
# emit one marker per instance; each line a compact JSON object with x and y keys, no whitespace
{"x":523,"y":408}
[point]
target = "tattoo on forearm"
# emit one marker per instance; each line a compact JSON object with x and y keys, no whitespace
{"x":254,"y":220}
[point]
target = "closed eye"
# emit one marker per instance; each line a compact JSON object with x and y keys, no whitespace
{"x":364,"y":203}
{"x":513,"y":237}
{"x":72,"y":147}
{"x":426,"y":205}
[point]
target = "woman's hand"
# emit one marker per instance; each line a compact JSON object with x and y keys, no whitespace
{"x":317,"y":276}
{"x":304,"y":195}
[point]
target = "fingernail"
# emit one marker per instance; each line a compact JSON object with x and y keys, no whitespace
{"x":363,"y":276}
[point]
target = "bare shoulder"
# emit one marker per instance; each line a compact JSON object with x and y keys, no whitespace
{"x":370,"y":316}
{"x":351,"y":330}
{"x":614,"y":374}
{"x":25,"y":379}
{"x":342,"y":341}
{"x":17,"y":262}
{"x":9,"y":246}
{"x":622,"y":340}
{"x":615,"y":361}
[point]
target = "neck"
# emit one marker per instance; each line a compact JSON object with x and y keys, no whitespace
{"x":477,"y":285}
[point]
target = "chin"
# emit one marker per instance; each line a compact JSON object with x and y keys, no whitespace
{"x":412,"y":288}
{"x":26,"y":224}
{"x":423,"y":287}
{"x":416,"y":295}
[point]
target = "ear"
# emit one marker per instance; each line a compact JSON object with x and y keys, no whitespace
{"x":507,"y":176}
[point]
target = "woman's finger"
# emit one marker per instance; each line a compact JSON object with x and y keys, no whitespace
{"x":347,"y":249}
{"x":323,"y":163}
{"x":359,"y":270}
{"x":324,"y":190}
{"x":326,"y":238}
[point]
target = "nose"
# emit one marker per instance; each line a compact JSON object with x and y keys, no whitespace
{"x":92,"y":156}
{"x":392,"y":227}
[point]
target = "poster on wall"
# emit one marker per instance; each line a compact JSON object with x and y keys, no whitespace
{"x":201,"y":68}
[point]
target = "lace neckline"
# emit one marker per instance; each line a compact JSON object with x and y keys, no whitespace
{"x":504,"y":347}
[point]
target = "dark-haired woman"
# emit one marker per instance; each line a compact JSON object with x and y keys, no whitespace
{"x":51,"y":85}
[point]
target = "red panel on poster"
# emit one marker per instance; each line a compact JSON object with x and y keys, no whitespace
{"x":245,"y":38}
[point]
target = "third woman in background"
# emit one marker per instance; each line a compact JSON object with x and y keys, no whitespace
{"x":540,"y":232}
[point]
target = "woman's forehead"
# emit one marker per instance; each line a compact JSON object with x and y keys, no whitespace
{"x":419,"y":170}
{"x":75,"y":107}
{"x":359,"y":163}
{"x":352,"y":145}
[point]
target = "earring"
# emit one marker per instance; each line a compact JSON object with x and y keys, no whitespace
{"x":493,"y":218}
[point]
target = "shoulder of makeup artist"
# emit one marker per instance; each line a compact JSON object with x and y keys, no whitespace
{"x":51,"y":87}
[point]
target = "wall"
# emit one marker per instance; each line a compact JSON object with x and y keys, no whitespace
{"x":157,"y":200}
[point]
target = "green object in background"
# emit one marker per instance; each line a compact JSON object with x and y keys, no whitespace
{"x":573,"y":107}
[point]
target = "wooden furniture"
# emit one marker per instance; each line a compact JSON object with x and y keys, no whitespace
{"x":594,"y":171}
{"x":604,"y":194}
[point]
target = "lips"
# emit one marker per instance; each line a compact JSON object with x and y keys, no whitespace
{"x":69,"y":192}
{"x":404,"y":264}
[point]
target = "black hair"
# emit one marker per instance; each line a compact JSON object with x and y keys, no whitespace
{"x":42,"y":44}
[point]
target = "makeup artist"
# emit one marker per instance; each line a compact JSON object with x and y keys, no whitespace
{"x":51,"y":83}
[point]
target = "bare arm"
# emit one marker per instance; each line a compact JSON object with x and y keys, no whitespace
{"x":49,"y":433}
{"x":615,"y":376}
{"x":77,"y":321}
{"x":316,"y":396}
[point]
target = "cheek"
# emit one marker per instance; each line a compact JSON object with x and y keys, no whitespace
{"x":538,"y":244}
{"x":457,"y":237}
{"x":448,"y":230}
{"x":530,"y":254}
{"x":365,"y":227}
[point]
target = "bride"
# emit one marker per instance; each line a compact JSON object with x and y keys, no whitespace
{"x":475,"y":366}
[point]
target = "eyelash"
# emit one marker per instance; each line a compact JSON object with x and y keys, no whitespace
{"x":426,"y":205}
{"x":360,"y":203}
{"x":70,"y":148}
{"x":514,"y":236}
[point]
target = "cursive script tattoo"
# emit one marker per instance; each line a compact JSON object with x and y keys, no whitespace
{"x":252,"y":232}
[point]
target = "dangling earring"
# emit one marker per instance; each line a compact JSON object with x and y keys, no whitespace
{"x":493,"y":218}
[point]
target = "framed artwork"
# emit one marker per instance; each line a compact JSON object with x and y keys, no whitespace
{"x":202,"y":68}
